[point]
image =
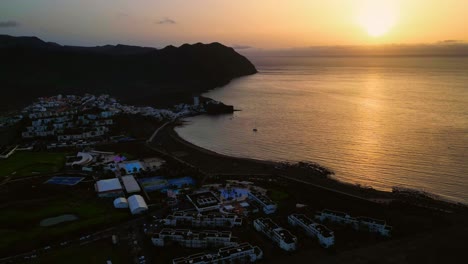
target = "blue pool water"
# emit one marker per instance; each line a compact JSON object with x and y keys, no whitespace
{"x":129,"y":167}
{"x":160,"y":183}
{"x":64,"y":180}
{"x":233,"y":193}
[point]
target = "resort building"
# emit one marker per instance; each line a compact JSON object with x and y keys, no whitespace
{"x":131,"y":185}
{"x":120,"y":203}
{"x":267,"y":205}
{"x":109,"y":188}
{"x":358,"y":223}
{"x":193,"y":239}
{"x":137,"y":204}
{"x":199,"y":220}
{"x":204,"y":201}
{"x":374,"y":225}
{"x":243,"y":253}
{"x":324,"y":235}
{"x":282,"y":237}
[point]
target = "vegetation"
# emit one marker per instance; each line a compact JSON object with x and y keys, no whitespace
{"x":97,"y":252}
{"x":22,"y":222}
{"x":277,"y":195}
{"x":24,"y":163}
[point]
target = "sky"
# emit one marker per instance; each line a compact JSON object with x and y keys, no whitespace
{"x":262,"y":24}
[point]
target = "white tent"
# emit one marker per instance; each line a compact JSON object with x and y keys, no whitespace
{"x":131,"y":185}
{"x":109,"y":187}
{"x":137,"y":204}
{"x":120,"y":203}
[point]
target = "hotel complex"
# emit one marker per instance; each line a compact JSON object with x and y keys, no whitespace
{"x":204,"y":201}
{"x":267,"y":205}
{"x":358,"y":223}
{"x":324,"y":235}
{"x":242,"y":253}
{"x":199,"y":220}
{"x":193,"y":239}
{"x":282,"y":237}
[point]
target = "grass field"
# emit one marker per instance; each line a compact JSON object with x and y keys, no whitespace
{"x":95,"y":253}
{"x":25,"y":163}
{"x":277,"y":195}
{"x":20,"y":224}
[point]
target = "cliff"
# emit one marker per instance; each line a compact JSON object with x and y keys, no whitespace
{"x":136,"y":75}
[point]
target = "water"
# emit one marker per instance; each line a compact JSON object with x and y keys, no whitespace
{"x":379,"y":122}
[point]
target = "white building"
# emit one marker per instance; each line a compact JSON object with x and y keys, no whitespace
{"x":358,"y":223}
{"x":131,"y":185}
{"x":324,"y":235}
{"x":282,"y":237}
{"x":243,"y":253}
{"x":374,"y":225}
{"x":268,"y":205}
{"x":120,"y":203}
{"x":199,"y":220}
{"x":109,"y":188}
{"x":137,"y":204}
{"x":204,"y":201}
{"x":193,"y":239}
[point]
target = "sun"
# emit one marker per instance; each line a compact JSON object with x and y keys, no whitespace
{"x":377,"y":17}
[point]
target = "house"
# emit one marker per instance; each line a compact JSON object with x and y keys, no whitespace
{"x":358,"y":223}
{"x":199,"y":220}
{"x":243,"y":253}
{"x":280,"y":236}
{"x":324,"y":235}
{"x":193,"y":239}
{"x":267,"y":205}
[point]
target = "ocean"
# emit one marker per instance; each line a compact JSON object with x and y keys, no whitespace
{"x":375,"y":121}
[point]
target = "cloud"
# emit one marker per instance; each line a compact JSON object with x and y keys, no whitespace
{"x":166,"y":21}
{"x":122,"y":15}
{"x":238,"y":47}
{"x":450,"y":41}
{"x":8,"y":24}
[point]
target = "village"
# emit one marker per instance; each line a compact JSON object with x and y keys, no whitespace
{"x":88,"y":186}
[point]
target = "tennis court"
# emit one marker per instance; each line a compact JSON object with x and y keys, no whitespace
{"x":64,"y":180}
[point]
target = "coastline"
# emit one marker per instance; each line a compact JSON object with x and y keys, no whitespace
{"x":214,"y":164}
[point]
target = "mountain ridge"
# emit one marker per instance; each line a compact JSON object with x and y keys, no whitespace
{"x":138,"y":75}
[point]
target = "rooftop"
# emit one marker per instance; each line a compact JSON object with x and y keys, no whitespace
{"x":204,"y":199}
{"x":108,"y":185}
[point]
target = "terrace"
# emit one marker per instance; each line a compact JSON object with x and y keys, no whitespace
{"x":204,"y":201}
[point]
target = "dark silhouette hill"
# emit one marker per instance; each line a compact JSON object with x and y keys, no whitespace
{"x":30,"y":68}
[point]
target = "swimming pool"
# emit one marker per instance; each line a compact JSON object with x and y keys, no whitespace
{"x":162,"y":184}
{"x":131,"y":167}
{"x":233,"y":193}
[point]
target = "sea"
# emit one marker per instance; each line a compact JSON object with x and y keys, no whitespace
{"x":379,"y":122}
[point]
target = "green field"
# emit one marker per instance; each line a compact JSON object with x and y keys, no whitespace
{"x":98,"y":252}
{"x":277,"y":195}
{"x":20,"y":224}
{"x":25,"y":163}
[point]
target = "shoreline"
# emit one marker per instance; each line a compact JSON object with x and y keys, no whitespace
{"x":217,"y":164}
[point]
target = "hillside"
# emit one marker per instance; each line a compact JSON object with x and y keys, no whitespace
{"x":136,"y":75}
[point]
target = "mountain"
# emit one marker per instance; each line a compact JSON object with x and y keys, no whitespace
{"x":32,"y":68}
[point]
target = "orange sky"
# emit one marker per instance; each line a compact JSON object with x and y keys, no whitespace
{"x":258,"y":23}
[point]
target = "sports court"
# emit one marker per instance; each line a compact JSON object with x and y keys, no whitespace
{"x":162,"y":184}
{"x":64,"y":180}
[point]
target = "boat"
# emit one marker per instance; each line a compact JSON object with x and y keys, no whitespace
{"x":255,"y":130}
